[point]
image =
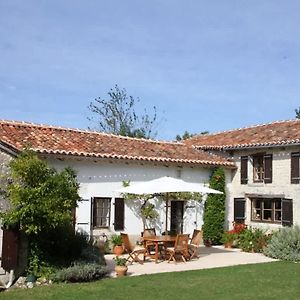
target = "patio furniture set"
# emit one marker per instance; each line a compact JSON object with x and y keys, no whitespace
{"x":164,"y":247}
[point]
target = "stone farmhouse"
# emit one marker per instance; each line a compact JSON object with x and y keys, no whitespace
{"x":261,"y":166}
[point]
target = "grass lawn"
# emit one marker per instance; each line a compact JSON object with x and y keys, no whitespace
{"x":276,"y":280}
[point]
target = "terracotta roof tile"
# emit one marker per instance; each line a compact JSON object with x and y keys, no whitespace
{"x":272,"y":134}
{"x":63,"y":141}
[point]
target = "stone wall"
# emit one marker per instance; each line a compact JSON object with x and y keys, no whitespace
{"x":281,"y":183}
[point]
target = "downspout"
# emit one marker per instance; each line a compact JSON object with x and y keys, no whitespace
{"x":11,"y":277}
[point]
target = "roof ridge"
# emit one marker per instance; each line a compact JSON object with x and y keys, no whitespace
{"x":31,"y":124}
{"x":246,"y":127}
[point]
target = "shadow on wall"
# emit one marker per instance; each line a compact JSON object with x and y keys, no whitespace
{"x":135,"y":206}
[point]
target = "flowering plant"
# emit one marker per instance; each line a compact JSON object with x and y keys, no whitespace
{"x":229,"y":237}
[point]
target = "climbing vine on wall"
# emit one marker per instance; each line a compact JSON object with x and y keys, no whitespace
{"x":214,"y":213}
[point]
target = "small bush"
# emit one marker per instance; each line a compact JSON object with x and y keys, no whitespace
{"x":92,"y":254}
{"x":80,"y":272}
{"x":252,"y":239}
{"x":285,"y":244}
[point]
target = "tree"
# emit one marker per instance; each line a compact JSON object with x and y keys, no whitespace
{"x":117,"y":115}
{"x":297,"y":111}
{"x":40,"y":197}
{"x":214,"y":212}
{"x":188,"y":135}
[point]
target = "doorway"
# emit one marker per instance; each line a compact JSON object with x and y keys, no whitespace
{"x":177,"y":216}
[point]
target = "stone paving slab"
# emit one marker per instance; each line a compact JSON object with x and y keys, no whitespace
{"x":210,"y":257}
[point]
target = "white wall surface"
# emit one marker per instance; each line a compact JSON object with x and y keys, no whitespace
{"x":100,"y":179}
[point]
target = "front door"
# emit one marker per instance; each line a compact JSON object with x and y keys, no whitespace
{"x":177,"y":216}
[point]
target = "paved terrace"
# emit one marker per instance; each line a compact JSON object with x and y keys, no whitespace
{"x":210,"y":257}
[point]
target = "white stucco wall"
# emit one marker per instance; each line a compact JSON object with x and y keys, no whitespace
{"x":281,"y":183}
{"x":100,"y":179}
{"x":4,"y":204}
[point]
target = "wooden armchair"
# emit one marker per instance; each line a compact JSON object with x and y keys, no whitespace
{"x":150,"y":246}
{"x":133,"y":252}
{"x":180,"y":247}
{"x":194,"y":244}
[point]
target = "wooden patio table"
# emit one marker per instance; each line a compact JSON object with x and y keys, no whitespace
{"x":158,"y":239}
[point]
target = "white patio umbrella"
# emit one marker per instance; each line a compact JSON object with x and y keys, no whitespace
{"x":165,"y":185}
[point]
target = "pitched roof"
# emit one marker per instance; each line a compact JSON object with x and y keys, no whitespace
{"x":63,"y":141}
{"x":266,"y":135}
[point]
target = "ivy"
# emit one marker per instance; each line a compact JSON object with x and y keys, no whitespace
{"x":214,"y":213}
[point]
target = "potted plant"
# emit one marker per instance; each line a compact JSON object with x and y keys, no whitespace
{"x":116,"y":240}
{"x":120,"y":268}
{"x":228,"y":238}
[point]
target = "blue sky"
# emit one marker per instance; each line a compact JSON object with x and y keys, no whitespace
{"x":206,"y":65}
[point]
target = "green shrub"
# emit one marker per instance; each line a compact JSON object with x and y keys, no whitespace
{"x":214,"y":213}
{"x":80,"y":272}
{"x":92,"y":254}
{"x":285,"y":244}
{"x":60,"y":248}
{"x":252,"y":239}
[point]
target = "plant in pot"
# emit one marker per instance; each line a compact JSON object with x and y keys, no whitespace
{"x":120,"y":268}
{"x":116,"y":240}
{"x":228,"y":238}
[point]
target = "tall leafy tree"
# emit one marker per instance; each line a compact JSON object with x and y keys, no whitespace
{"x":117,"y":114}
{"x":41,"y":198}
{"x":214,"y":213}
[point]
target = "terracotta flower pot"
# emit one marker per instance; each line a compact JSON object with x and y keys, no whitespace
{"x":228,"y":245}
{"x":118,"y":250}
{"x":121,"y":270}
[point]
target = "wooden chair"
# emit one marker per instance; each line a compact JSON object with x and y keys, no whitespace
{"x":150,"y":246}
{"x":133,"y":252}
{"x":194,"y":244}
{"x":180,"y":247}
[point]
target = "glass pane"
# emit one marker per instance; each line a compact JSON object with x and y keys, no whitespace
{"x":256,"y":214}
{"x":256,"y":203}
{"x":278,"y":215}
{"x":278,"y":204}
{"x":268,"y":204}
{"x":267,"y":215}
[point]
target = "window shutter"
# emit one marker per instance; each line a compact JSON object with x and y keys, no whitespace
{"x":287,"y":212}
{"x":239,"y":210}
{"x":244,"y":169}
{"x":119,"y":214}
{"x":295,"y":167}
{"x":268,"y":168}
{"x":92,"y":212}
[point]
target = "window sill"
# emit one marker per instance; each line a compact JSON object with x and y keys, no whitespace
{"x":266,"y":222}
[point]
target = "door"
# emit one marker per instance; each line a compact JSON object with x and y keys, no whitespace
{"x":177,"y":216}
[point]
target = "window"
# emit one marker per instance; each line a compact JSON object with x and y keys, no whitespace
{"x":101,"y":212}
{"x":258,"y":168}
{"x":266,"y":210}
{"x":262,"y":168}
